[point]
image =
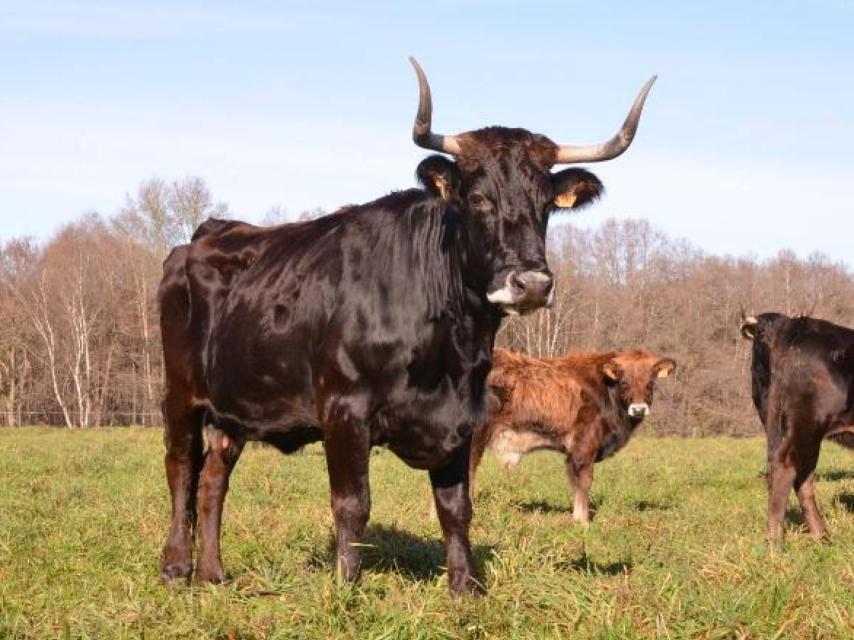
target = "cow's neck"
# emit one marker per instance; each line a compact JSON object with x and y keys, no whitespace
{"x":619,"y":427}
{"x":447,"y":263}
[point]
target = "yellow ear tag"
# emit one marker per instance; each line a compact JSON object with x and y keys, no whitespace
{"x":565,"y":200}
{"x":442,"y":186}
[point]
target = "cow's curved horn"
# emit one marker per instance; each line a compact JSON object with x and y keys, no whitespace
{"x":421,"y":133}
{"x":615,"y":146}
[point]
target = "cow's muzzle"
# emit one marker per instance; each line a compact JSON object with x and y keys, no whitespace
{"x":524,"y":291}
{"x":638,"y":410}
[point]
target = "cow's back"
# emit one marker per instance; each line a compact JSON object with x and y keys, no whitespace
{"x":195,"y":277}
{"x":560,"y":394}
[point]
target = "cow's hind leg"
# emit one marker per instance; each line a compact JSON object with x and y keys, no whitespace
{"x":183,"y":461}
{"x":453,"y":505}
{"x":804,"y":483}
{"x":347,"y":446}
{"x":781,"y":478}
{"x":221,"y":456}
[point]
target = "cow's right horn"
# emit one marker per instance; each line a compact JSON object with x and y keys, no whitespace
{"x":567,"y":153}
{"x":421,"y":133}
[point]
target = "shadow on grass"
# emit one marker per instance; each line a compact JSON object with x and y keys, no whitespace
{"x":541,"y":506}
{"x":795,"y":516}
{"x":651,"y":505}
{"x":390,"y":550}
{"x":834,"y":475}
{"x":585,"y":565}
{"x":846,"y":501}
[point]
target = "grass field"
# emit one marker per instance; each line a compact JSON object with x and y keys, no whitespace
{"x":675,"y":549}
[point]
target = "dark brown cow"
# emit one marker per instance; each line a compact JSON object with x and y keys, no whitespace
{"x":370,"y":326}
{"x":585,"y":405}
{"x":803,"y":389}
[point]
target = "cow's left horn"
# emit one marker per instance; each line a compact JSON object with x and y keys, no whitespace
{"x":567,"y":154}
{"x":421,"y":133}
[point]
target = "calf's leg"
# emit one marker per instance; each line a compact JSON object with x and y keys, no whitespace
{"x":453,"y":505}
{"x":220,"y":458}
{"x":479,"y":442}
{"x":580,"y":478}
{"x":183,"y":461}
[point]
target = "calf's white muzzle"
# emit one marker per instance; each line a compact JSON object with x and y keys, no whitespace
{"x":638,"y":410}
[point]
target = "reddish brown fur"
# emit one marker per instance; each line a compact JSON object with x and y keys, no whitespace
{"x":570,"y":404}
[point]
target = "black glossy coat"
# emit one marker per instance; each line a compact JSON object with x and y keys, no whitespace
{"x":369,"y":326}
{"x":802,"y":375}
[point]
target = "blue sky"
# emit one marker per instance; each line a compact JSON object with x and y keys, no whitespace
{"x":745,"y":145}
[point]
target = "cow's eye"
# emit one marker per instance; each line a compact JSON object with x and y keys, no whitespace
{"x":478,"y":201}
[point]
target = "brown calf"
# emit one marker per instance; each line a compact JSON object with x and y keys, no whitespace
{"x":585,"y":405}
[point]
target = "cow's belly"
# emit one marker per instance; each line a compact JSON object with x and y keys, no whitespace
{"x":843,"y":435}
{"x":510,"y":446}
{"x":425,"y":433}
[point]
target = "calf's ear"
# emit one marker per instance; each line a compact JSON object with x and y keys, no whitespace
{"x":440,"y":177}
{"x":663,"y":367}
{"x":613,"y":371}
{"x":575,"y":188}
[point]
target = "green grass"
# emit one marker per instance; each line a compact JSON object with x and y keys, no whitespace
{"x":675,"y":549}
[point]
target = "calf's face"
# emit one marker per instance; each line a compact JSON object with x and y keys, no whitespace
{"x":633,"y":375}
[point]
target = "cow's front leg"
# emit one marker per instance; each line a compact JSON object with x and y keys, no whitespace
{"x":453,"y":505}
{"x":220,"y":458}
{"x":347,"y":445}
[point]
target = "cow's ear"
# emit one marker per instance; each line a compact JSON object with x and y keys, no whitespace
{"x":440,"y":177}
{"x":575,"y":188}
{"x":613,"y":371}
{"x":748,"y":327}
{"x":663,"y":368}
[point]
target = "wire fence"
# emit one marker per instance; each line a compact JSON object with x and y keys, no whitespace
{"x":62,"y":419}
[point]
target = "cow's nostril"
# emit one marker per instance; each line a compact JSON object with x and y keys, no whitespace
{"x":638,"y":410}
{"x":518,"y":282}
{"x":537,"y":284}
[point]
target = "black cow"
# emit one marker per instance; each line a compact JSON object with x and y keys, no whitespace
{"x":370,"y":326}
{"x":803,"y":389}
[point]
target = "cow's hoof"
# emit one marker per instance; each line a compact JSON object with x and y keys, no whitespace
{"x":175,"y":573}
{"x":776,"y":545}
{"x":465,"y":585}
{"x":209,"y":576}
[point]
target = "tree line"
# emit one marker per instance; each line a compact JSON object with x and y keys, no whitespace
{"x":79,"y":332}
